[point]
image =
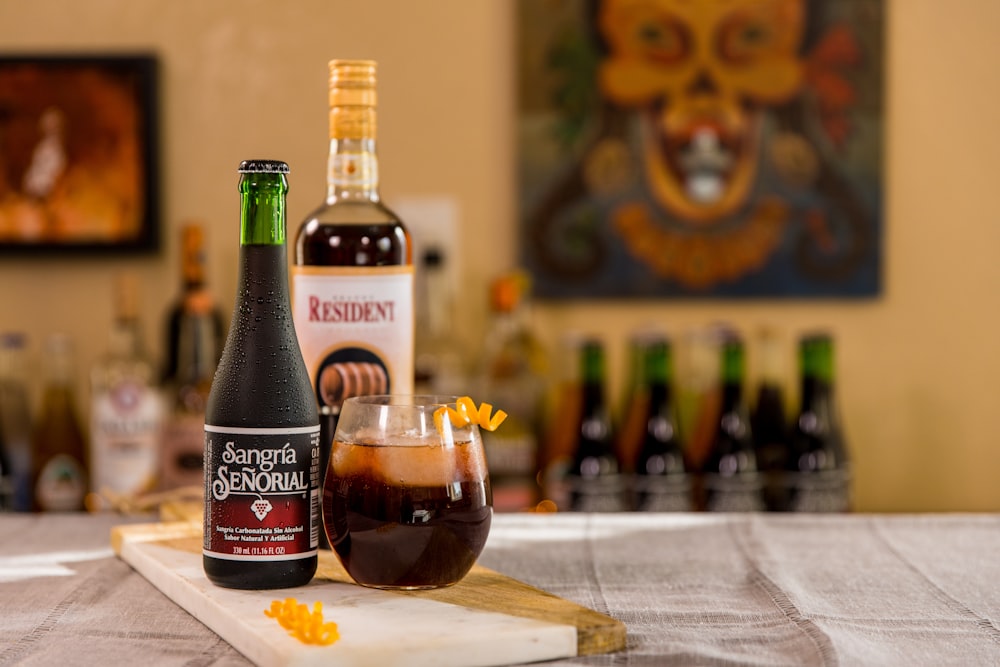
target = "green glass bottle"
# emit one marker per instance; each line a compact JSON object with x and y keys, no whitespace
{"x":660,"y":482}
{"x":819,"y":467}
{"x":595,"y":481}
{"x":730,"y":477}
{"x":262,"y":449}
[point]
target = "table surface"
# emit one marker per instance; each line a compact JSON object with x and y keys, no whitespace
{"x":692,"y":589}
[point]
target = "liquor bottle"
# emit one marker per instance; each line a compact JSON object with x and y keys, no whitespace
{"x":195,"y":335}
{"x":439,"y":360}
{"x":126,"y":407}
{"x":16,"y":417}
{"x":730,"y":479}
{"x":6,"y":476}
{"x":768,"y":421}
{"x":634,"y":408}
{"x":59,"y":450}
{"x":660,"y":480}
{"x":352,"y":281}
{"x":594,"y":478}
{"x":262,"y":470}
{"x":819,"y":467}
{"x":512,"y":374}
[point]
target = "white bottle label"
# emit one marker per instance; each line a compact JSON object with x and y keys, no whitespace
{"x":355,"y":329}
{"x":126,"y":428}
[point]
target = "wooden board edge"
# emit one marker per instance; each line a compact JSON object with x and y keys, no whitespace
{"x":596,"y":633}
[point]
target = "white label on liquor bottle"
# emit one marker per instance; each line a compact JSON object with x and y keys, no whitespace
{"x":126,"y":428}
{"x":355,"y":329}
{"x":261,"y":493}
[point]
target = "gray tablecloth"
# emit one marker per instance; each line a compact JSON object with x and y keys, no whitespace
{"x":692,"y":589}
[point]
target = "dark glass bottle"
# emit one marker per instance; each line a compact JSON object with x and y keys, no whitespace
{"x":819,"y":469}
{"x":195,"y":333}
{"x":261,"y":423}
{"x":594,"y":479}
{"x":770,"y":424}
{"x":353,"y":272}
{"x":660,"y":481}
{"x":731,"y":481}
{"x":60,"y":454}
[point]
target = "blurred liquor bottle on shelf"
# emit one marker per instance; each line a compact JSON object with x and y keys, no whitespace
{"x":59,"y":450}
{"x":439,"y":358}
{"x":634,"y":407}
{"x":819,"y":467}
{"x":594,"y":479}
{"x":768,"y":420}
{"x":16,"y":418}
{"x":126,"y":407}
{"x":512,"y":375}
{"x":730,"y":480}
{"x":660,"y":481}
{"x":560,"y":420}
{"x":353,"y":276}
{"x":195,"y":334}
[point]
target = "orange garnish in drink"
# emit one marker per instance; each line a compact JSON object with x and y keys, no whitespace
{"x":306,"y":626}
{"x":465,"y":413}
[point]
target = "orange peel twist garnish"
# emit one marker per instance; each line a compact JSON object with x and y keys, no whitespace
{"x":306,"y":626}
{"x":465,"y":412}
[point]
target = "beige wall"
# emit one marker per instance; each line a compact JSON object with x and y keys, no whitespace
{"x":918,"y":367}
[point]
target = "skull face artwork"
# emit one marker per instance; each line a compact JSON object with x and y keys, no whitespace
{"x":698,"y":74}
{"x":712,"y":165}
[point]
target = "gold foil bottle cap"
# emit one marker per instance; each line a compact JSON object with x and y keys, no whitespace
{"x":352,"y":83}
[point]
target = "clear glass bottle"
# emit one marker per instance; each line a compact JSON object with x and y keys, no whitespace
{"x":262,"y":449}
{"x":440,"y":366}
{"x":512,"y":375}
{"x":126,"y":407}
{"x":819,"y":466}
{"x":16,"y":417}
{"x":660,"y":480}
{"x":353,"y":277}
{"x":730,"y":479}
{"x":594,"y":478}
{"x":59,"y":449}
{"x":195,"y":334}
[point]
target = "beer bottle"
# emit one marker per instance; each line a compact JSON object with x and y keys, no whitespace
{"x":261,"y":423}
{"x":195,"y":333}
{"x":660,"y":480}
{"x":59,"y":450}
{"x":731,"y":482}
{"x":819,"y":466}
{"x":352,"y":279}
{"x":594,"y":479}
{"x":769,"y":423}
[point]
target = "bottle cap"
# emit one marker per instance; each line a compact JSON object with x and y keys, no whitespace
{"x":352,"y":83}
{"x":263,"y":167}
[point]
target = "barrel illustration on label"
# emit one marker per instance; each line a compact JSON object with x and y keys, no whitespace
{"x":347,"y":372}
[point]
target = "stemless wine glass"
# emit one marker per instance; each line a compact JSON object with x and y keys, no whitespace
{"x":407,"y":502}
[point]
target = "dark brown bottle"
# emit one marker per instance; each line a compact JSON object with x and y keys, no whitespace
{"x":262,"y":516}
{"x":352,"y":277}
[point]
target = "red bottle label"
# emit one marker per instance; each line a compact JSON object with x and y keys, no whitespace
{"x":261,"y":493}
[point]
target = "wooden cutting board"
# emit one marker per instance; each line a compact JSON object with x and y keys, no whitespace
{"x":486,"y":619}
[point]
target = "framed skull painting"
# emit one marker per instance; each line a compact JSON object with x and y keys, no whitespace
{"x":709,"y":148}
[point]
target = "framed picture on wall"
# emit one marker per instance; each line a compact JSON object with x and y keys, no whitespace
{"x":701,"y":149}
{"x":78,"y":153}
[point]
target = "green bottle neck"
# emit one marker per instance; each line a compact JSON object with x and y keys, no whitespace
{"x":262,"y":208}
